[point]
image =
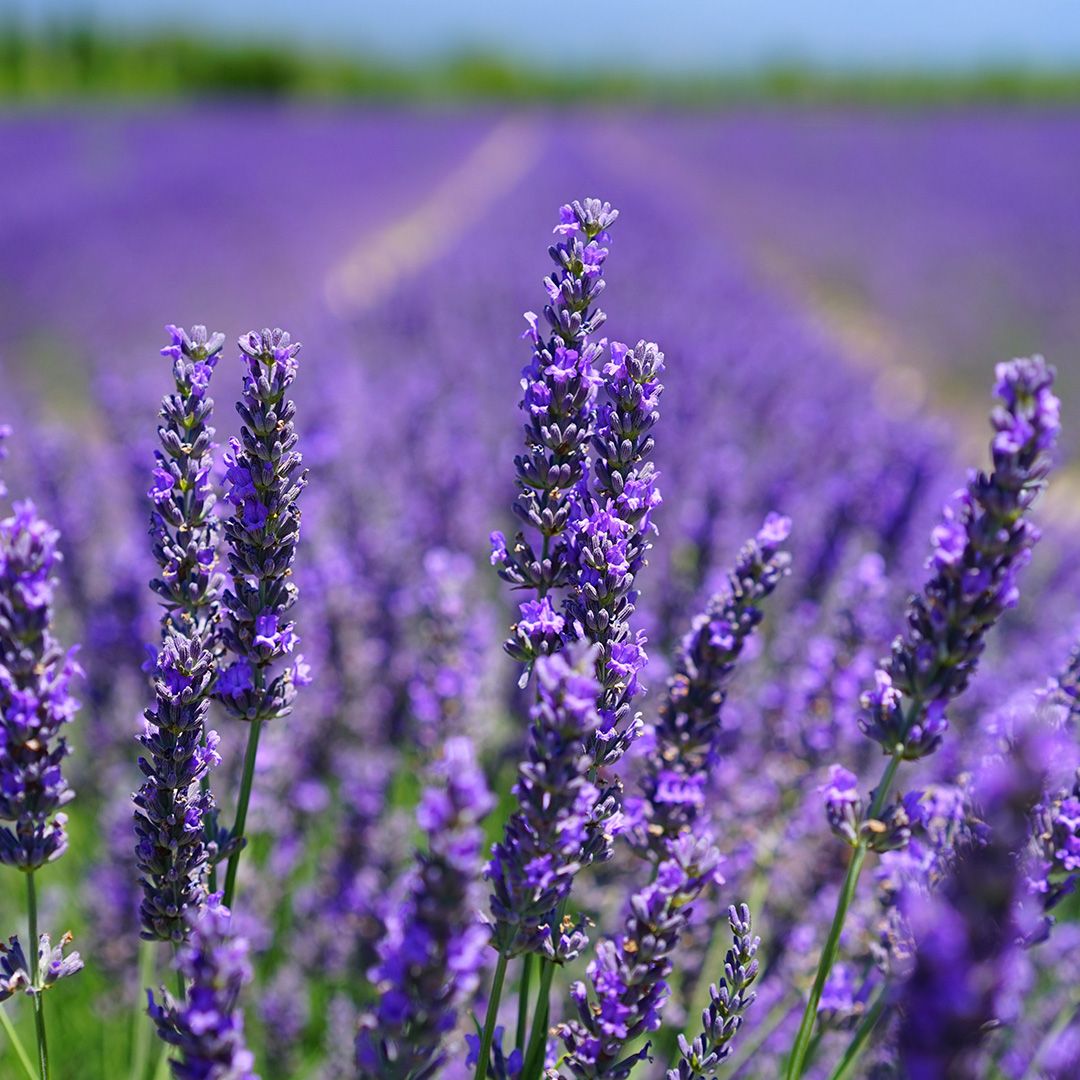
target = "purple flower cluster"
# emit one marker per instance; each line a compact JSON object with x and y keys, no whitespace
{"x":174,"y":807}
{"x":559,"y":388}
{"x":183,"y":525}
{"x":173,"y":803}
{"x":433,"y":948}
{"x":979,"y":548}
{"x":550,"y":835}
{"x":35,"y":695}
{"x":688,"y":728}
{"x":16,"y":971}
{"x":206,"y":1028}
{"x":265,"y":480}
{"x":627,"y":986}
{"x":723,"y":1016}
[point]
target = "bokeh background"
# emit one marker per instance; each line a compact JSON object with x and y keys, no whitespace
{"x":837,"y":217}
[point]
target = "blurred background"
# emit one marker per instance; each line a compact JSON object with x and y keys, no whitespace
{"x":906,"y":174}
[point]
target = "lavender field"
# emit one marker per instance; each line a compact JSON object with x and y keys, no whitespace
{"x":701,"y":706}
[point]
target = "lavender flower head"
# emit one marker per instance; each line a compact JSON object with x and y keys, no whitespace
{"x":265,"y":478}
{"x":174,"y":805}
{"x":723,"y":1016}
{"x":207,"y":1027}
{"x":548,"y":837}
{"x":183,"y":525}
{"x":431,"y":956}
{"x":35,"y":695}
{"x":627,"y":986}
{"x":688,"y":728}
{"x":982,"y":543}
{"x":559,"y":388}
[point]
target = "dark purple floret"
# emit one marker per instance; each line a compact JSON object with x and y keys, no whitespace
{"x":627,"y":986}
{"x":265,"y":480}
{"x":723,"y":1016}
{"x":173,"y":803}
{"x":430,"y":959}
{"x":981,"y":545}
{"x":207,"y":1027}
{"x":688,"y":729}
{"x":549,"y":837}
{"x":35,"y":695}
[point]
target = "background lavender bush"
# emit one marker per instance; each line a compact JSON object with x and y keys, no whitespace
{"x":354,"y":944}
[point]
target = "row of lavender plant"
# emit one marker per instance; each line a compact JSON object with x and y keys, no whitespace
{"x":399,"y":951}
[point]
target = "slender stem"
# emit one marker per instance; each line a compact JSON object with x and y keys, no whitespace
{"x":523,"y":1001}
{"x":16,"y":1044}
{"x":534,"y":1055}
{"x":39,"y":997}
{"x":797,"y":1060}
{"x":242,"y":809}
{"x":488,"y":1037}
{"x":140,"y":1026}
{"x":861,"y":1036}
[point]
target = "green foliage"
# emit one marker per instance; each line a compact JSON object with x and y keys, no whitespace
{"x":78,"y":61}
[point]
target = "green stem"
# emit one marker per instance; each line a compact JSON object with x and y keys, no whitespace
{"x":140,"y":1025}
{"x":861,"y":1036}
{"x":534,"y":1055}
{"x":523,"y":1001}
{"x":242,"y":809}
{"x":797,"y":1060}
{"x":39,"y":997}
{"x":488,"y":1037}
{"x":16,"y":1044}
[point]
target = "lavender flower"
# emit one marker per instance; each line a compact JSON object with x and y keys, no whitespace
{"x":52,"y":966}
{"x":172,"y":803}
{"x":611,"y":532}
{"x":430,"y":959}
{"x":558,"y":399}
{"x":723,"y":1016}
{"x":547,"y":838}
{"x":688,"y":729}
{"x":627,"y":978}
{"x":183,"y":525}
{"x":979,"y":548}
{"x":35,"y":695}
{"x":265,"y":482}
{"x":207,"y":1028}
{"x":174,"y":812}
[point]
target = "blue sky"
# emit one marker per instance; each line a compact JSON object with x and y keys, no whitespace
{"x":657,"y":34}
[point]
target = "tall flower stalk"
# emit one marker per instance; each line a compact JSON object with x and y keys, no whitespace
{"x":176,"y":839}
{"x":36,"y":704}
{"x":265,"y":480}
{"x":688,"y":728}
{"x":982,"y":543}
